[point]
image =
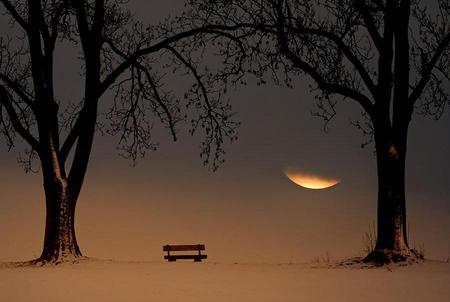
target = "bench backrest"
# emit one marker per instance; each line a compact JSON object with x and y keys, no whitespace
{"x":176,"y":248}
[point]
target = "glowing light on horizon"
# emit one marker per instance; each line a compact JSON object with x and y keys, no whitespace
{"x":310,"y":181}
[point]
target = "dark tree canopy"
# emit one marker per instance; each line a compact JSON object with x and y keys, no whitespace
{"x":340,"y":45}
{"x":138,"y":63}
{"x":131,"y":60}
{"x":390,"y":57}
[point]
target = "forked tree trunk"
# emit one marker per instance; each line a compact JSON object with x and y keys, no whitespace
{"x":62,"y":192}
{"x":60,"y":242}
{"x":392,"y":242}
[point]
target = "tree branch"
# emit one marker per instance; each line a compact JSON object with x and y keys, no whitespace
{"x":426,"y":75}
{"x":20,"y":129}
{"x":196,"y":76}
{"x":347,"y":52}
{"x":14,"y":86}
{"x":55,"y":22}
{"x":312,"y":72}
{"x":131,"y":59}
{"x":16,"y":16}
{"x":82,"y":22}
{"x":70,"y":141}
{"x":327,"y":86}
{"x":46,"y":35}
{"x":361,"y":5}
{"x":153,"y":85}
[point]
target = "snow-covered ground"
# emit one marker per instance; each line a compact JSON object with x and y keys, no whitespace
{"x":112,"y":281}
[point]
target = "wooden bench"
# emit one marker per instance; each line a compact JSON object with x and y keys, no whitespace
{"x":181,"y":248}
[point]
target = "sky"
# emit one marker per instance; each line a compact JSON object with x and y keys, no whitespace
{"x":247,"y":211}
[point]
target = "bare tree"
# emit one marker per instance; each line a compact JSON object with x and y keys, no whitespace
{"x":117,"y":54}
{"x":392,"y":58}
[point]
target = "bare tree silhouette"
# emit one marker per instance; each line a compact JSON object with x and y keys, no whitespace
{"x":118,"y":54}
{"x":392,"y":58}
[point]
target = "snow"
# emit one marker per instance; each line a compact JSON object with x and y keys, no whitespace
{"x":101,"y":280}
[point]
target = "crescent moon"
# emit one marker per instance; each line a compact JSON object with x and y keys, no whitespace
{"x":311,"y":181}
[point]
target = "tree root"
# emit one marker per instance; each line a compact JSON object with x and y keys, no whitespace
{"x":382,"y":257}
{"x":39,"y":262}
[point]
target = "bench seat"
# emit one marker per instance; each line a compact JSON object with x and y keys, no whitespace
{"x":181,"y":248}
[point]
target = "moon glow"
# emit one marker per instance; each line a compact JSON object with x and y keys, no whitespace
{"x":310,"y":181}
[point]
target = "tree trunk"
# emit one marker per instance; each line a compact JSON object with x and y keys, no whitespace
{"x":392,"y":242}
{"x":60,"y":242}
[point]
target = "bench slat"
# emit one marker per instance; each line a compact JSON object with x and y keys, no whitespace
{"x":175,"y":257}
{"x":192,"y":247}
